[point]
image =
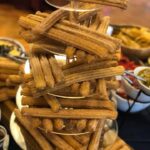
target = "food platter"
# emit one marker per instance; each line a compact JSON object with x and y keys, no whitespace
{"x":109,"y":137}
{"x":91,"y":67}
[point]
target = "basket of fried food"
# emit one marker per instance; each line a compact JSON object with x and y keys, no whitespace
{"x":88,"y":76}
{"x":135,"y":40}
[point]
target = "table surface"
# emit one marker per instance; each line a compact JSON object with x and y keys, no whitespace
{"x":135,"y":129}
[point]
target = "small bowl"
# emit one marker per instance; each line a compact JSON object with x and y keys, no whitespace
{"x":133,"y":92}
{"x":142,"y":86}
{"x":141,"y":53}
{"x":123,"y":104}
{"x":4,"y":141}
{"x":15,"y":43}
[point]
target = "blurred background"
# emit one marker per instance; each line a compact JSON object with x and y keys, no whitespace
{"x":138,"y":12}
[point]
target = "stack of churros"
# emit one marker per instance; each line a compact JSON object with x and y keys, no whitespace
{"x":9,"y":78}
{"x":68,"y":105}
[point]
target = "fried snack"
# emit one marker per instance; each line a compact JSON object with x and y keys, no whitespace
{"x":49,"y":21}
{"x":127,"y":41}
{"x":92,"y":42}
{"x":59,"y":124}
{"x":91,"y":66}
{"x":26,"y":77}
{"x":85,"y":39}
{"x":42,"y":14}
{"x":95,"y":139}
{"x":72,"y":141}
{"x":8,"y":83}
{"x":70,"y":113}
{"x":94,"y":74}
{"x":5,"y":83}
{"x":72,"y":14}
{"x":47,"y":71}
{"x":3,"y":96}
{"x":86,"y":23}
{"x":26,"y":91}
{"x":63,"y":92}
{"x":53,"y":102}
{"x":92,"y":125}
{"x":104,"y":25}
{"x":85,"y":88}
{"x":15,"y":79}
{"x":29,"y":140}
{"x":43,"y":143}
{"x":70,"y":51}
{"x":92,"y":35}
{"x":58,"y":141}
{"x":116,"y":3}
{"x":29,"y":36}
{"x":112,"y":85}
{"x":35,"y":122}
{"x":56,"y":70}
{"x":47,"y":124}
{"x":5,"y":59}
{"x":102,"y":89}
{"x":9,"y":65}
{"x":3,"y":77}
{"x":47,"y":48}
{"x":85,"y":76}
{"x":134,"y":37}
{"x":91,"y":58}
{"x":76,"y":43}
{"x":70,"y":103}
{"x":10,"y":92}
{"x":73,"y":64}
{"x":21,"y":69}
{"x":83,"y":139}
{"x":75,"y":88}
{"x":118,"y":145}
{"x":80,"y":55}
{"x":8,"y":71}
{"x":27,"y":100}
{"x":83,"y":147}
{"x":37,"y":73}
{"x":96,"y":22}
{"x":81,"y":125}
{"x":37,"y":18}
{"x":82,"y":16}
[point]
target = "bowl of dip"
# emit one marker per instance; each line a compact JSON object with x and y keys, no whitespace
{"x":143,"y":72}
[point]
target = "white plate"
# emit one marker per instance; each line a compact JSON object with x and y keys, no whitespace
{"x":123,"y":104}
{"x":19,"y":98}
{"x":16,"y":132}
{"x":132,"y":92}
